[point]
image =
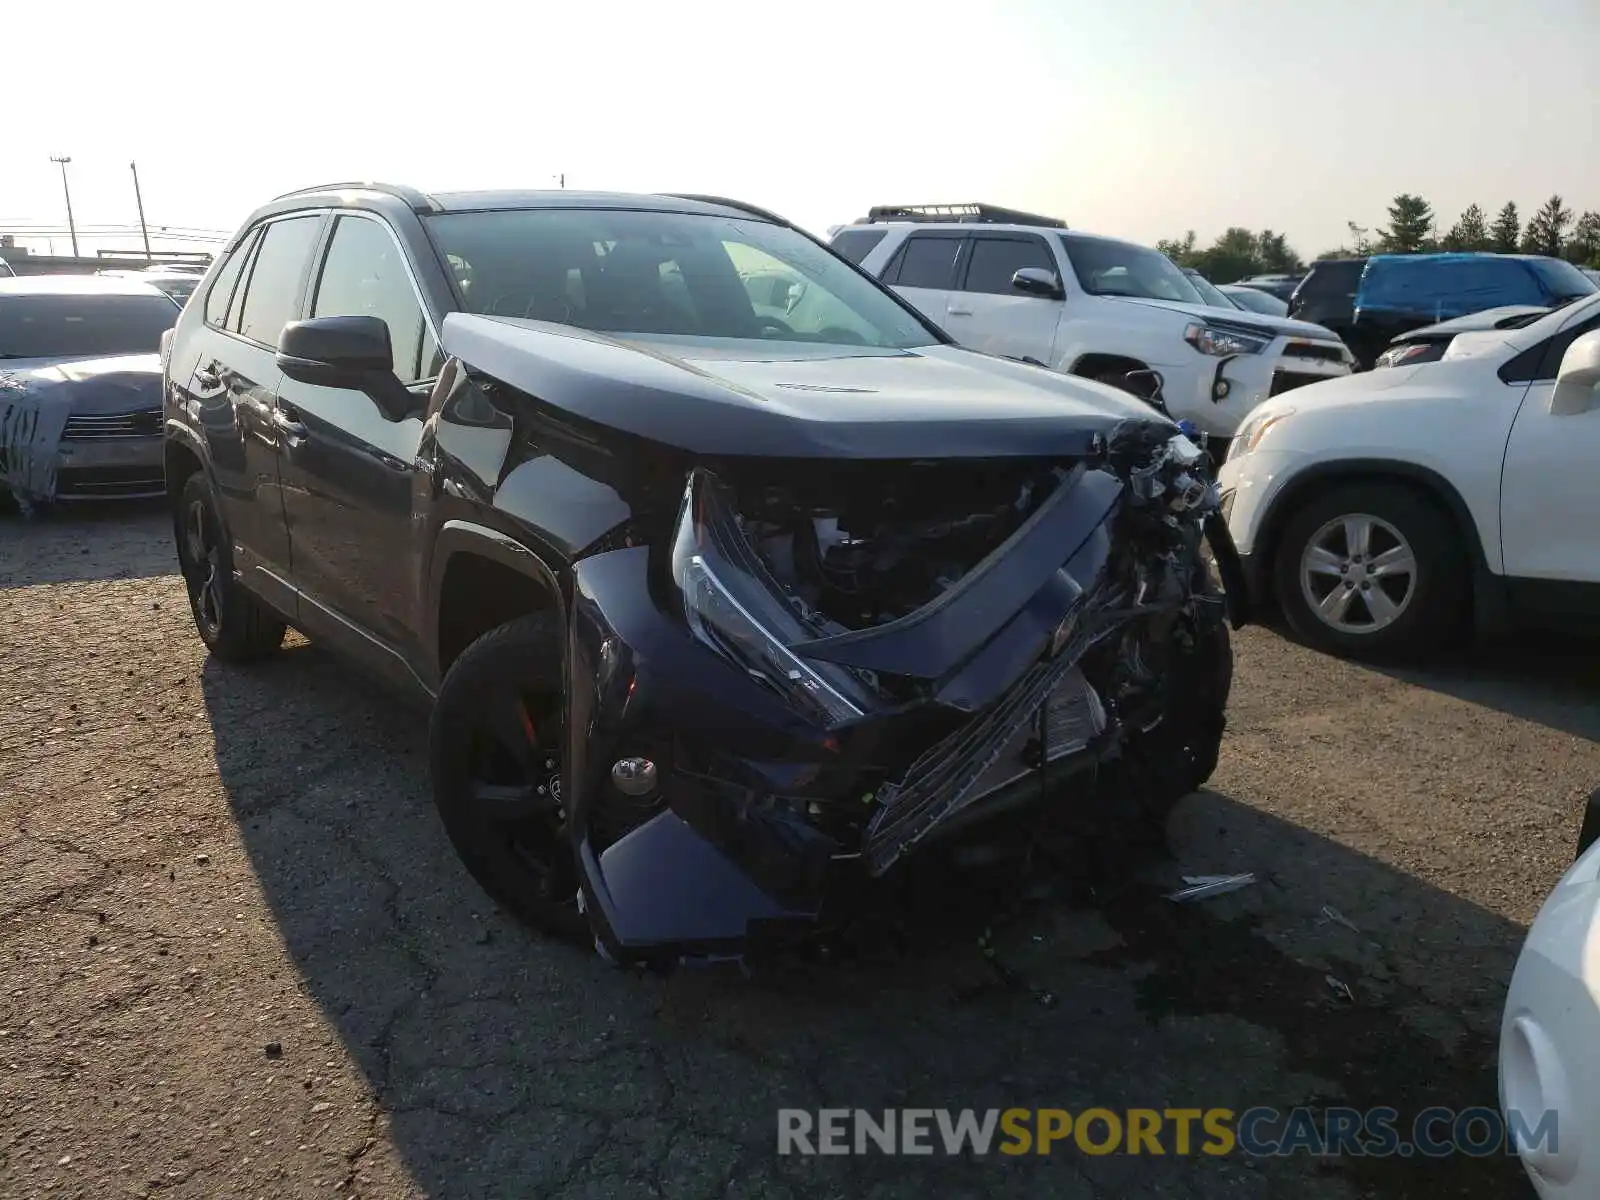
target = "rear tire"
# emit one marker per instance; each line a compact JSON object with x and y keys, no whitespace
{"x":496,"y":753}
{"x":1373,"y":571}
{"x":235,"y":625}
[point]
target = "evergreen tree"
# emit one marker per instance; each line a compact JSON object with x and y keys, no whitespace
{"x":1505,"y":233}
{"x":1410,"y":225}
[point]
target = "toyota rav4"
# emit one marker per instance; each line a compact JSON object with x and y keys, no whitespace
{"x":728,"y":577}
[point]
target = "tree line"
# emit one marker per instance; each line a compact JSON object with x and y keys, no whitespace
{"x":1412,"y":229}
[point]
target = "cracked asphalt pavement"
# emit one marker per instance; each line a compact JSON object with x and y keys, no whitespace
{"x":240,"y":959}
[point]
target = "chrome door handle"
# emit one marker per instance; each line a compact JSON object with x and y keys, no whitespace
{"x":960,"y":312}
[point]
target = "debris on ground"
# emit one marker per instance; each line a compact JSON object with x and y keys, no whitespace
{"x":1341,"y":989}
{"x":1203,"y":887}
{"x":1330,"y":913}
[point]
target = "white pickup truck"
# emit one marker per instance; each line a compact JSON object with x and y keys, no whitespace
{"x":1026,"y":287}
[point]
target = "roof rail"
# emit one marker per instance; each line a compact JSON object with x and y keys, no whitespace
{"x":752,"y":209}
{"x":982,"y":214}
{"x":417,"y":201}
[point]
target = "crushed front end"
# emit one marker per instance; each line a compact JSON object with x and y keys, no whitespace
{"x":818,"y":672}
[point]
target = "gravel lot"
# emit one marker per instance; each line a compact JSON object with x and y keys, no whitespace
{"x":197,"y":862}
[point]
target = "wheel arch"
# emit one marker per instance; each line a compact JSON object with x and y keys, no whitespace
{"x":1489,"y":603}
{"x":1095,"y":362}
{"x":182,"y":454}
{"x":479,"y":579}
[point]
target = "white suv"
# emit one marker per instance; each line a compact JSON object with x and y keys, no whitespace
{"x":1386,"y":511}
{"x":1026,"y":287}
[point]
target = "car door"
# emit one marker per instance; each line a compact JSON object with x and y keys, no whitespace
{"x":987,"y":313}
{"x":923,"y":271}
{"x":233,"y":388}
{"x":1550,"y":492}
{"x":347,"y":469}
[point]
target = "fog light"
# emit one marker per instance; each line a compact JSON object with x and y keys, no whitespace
{"x":1220,"y":389}
{"x":634,"y":776}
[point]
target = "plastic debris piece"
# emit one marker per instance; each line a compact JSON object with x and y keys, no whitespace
{"x":1341,"y":989}
{"x":1338,"y":918}
{"x":1203,"y":887}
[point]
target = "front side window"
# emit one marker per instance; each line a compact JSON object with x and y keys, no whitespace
{"x":272,"y":293}
{"x":363,"y":275}
{"x":995,"y":260}
{"x":629,"y":272}
{"x":1109,"y":268}
{"x":87,"y":326}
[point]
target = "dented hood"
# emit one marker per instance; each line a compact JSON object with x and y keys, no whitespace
{"x":795,"y":400}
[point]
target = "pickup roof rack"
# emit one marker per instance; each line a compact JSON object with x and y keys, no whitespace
{"x":977,"y":214}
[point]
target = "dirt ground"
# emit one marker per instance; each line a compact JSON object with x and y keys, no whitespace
{"x":239,"y":958}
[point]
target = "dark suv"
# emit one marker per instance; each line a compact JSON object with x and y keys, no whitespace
{"x":1327,"y":296}
{"x":728,"y":577}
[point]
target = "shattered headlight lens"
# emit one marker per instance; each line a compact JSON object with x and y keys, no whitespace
{"x":1224,"y":343}
{"x":733,"y":606}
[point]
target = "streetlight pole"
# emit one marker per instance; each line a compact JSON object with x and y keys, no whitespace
{"x":67,"y":192}
{"x":139,"y":200}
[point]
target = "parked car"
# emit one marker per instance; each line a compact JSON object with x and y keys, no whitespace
{"x":5,"y":270}
{"x":1254,"y":299}
{"x":1281,"y":285}
{"x":1327,"y":295}
{"x":1550,"y":1033}
{"x":1402,"y":292}
{"x":80,"y":387}
{"x":716,"y":608}
{"x":1210,"y":294}
{"x":1021,"y":286}
{"x":1391,"y":510}
{"x":1429,"y":343}
{"x":1593,"y":275}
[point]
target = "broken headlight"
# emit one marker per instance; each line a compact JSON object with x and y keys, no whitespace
{"x":733,"y":605}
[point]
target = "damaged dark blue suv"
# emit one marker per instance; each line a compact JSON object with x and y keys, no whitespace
{"x":730,"y":579}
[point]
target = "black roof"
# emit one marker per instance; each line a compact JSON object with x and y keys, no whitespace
{"x":981,"y":214}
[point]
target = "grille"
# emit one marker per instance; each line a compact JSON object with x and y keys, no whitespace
{"x":974,"y":760}
{"x":1320,"y":351}
{"x":117,"y":425}
{"x":1287,"y":381}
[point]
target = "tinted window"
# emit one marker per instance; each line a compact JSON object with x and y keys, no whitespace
{"x":64,"y":326}
{"x":856,"y":244}
{"x":995,"y":260}
{"x":363,"y":276}
{"x":1338,"y":278}
{"x":1108,"y":268}
{"x":927,"y":262}
{"x":666,"y":274}
{"x":222,"y":288}
{"x":272,"y":296}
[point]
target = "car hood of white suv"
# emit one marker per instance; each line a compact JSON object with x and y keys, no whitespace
{"x":1242,"y":319}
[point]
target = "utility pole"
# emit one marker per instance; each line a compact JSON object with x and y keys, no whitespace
{"x":66,"y":191}
{"x":139,"y":200}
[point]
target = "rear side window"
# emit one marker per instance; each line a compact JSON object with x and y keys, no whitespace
{"x":995,"y":260}
{"x":272,"y":296}
{"x":927,"y":262}
{"x":856,"y":244}
{"x":1331,"y":279}
{"x":222,"y":288}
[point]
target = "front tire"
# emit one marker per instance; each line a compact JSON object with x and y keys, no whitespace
{"x":235,"y":625}
{"x":496,"y":748}
{"x":1372,"y":571}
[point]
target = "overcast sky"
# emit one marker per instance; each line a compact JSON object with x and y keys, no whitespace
{"x":1139,"y":118}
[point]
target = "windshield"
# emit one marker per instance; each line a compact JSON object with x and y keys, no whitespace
{"x":1208,"y":292}
{"x":67,"y":326}
{"x":664,"y":274}
{"x":1565,"y":281}
{"x":1107,"y":268}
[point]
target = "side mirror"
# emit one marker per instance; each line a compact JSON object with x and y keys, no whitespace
{"x":1036,"y":281}
{"x":1576,"y":382}
{"x":345,"y":352}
